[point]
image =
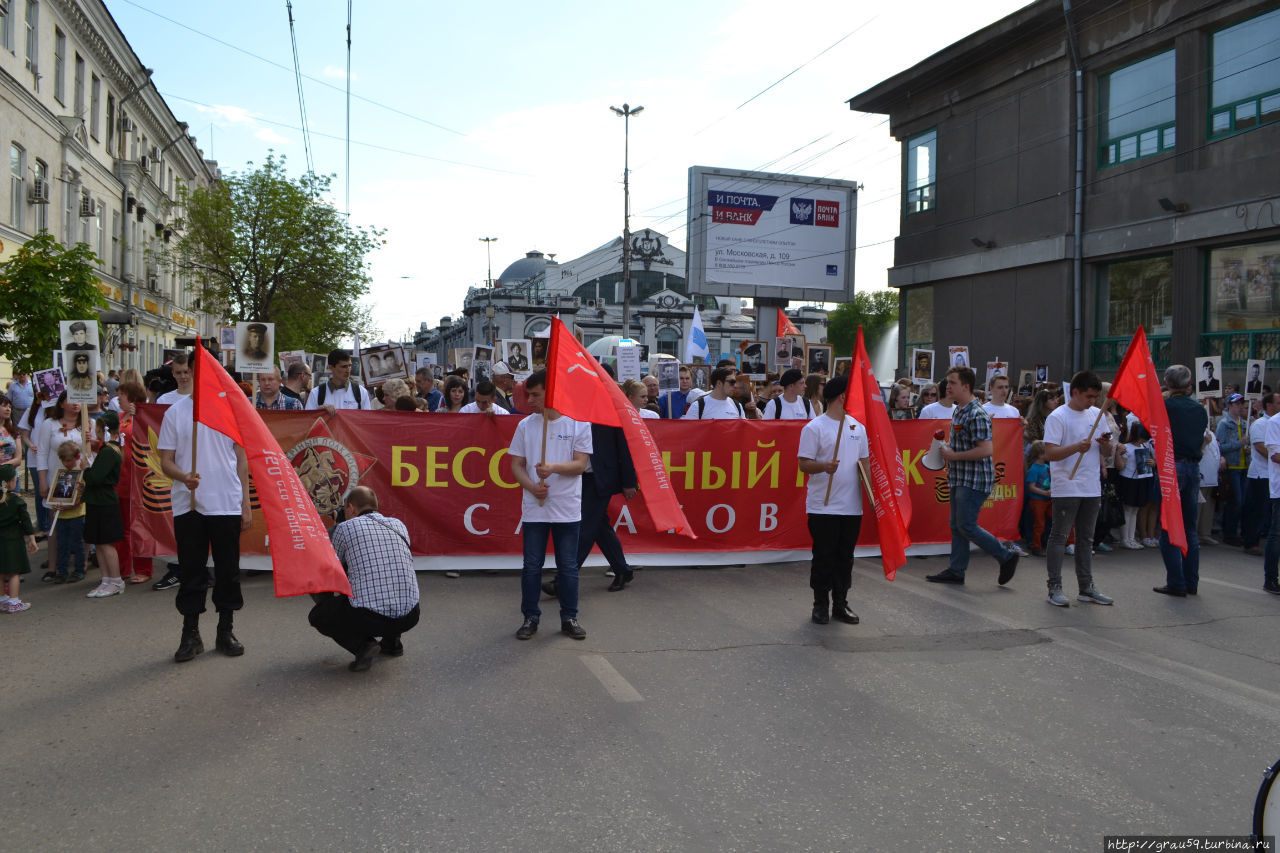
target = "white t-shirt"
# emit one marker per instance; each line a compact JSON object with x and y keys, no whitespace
{"x":1257,"y":435}
{"x":1066,"y":426}
{"x":936,"y":411}
{"x":343,"y":398}
{"x":818,"y":442}
{"x":1273,"y":447}
{"x":648,"y":413}
{"x":790,"y":411}
{"x":474,"y":409}
{"x":713,"y":409}
{"x":565,"y":436}
{"x":1210,"y":459}
{"x":1005,"y":411}
{"x":219,"y":491}
{"x":168,"y":398}
{"x":50,"y":437}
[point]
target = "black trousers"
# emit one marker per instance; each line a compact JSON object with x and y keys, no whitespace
{"x":197,"y":536}
{"x":352,"y":627}
{"x":595,"y":528}
{"x":834,"y":538}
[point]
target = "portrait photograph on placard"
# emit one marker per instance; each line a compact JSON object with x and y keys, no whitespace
{"x":255,"y":344}
{"x":481,"y":370}
{"x":319,"y":363}
{"x":994,"y":369}
{"x":484,"y":353}
{"x":753,"y":358}
{"x":1042,"y":374}
{"x":462,"y":358}
{"x":668,"y":373}
{"x":65,"y":488}
{"x":51,"y":381}
{"x":921,"y":366}
{"x":382,"y":362}
{"x":1255,"y":376}
{"x":957,"y":356}
{"x":1208,"y":373}
{"x":227,"y":338}
{"x":843,"y":365}
{"x":1026,"y":383}
{"x":700,"y":375}
{"x":516,"y":354}
{"x":80,"y":359}
{"x":818,"y":358}
{"x":538,"y":350}
{"x":291,"y":357}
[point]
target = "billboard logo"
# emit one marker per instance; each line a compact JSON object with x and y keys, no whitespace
{"x":827,"y":213}
{"x":833,"y":269}
{"x":801,"y":211}
{"x":737,"y":208}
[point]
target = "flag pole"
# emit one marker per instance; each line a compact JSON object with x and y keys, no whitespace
{"x":195,"y":420}
{"x":543,"y":458}
{"x":1080,"y":458}
{"x":835,"y":457}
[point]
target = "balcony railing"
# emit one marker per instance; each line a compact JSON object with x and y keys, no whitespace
{"x":1239,"y":346}
{"x":1106,"y":353}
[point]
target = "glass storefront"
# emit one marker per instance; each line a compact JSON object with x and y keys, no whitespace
{"x":1242,"y":288}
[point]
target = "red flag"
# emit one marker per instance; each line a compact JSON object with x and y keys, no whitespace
{"x":1137,"y":389}
{"x":302,"y":557}
{"x":865,"y":403}
{"x":579,"y":388}
{"x":785,"y":326}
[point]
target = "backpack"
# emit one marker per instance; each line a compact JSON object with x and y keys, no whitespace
{"x":324,"y":389}
{"x":777,"y":412}
{"x":702,"y":406}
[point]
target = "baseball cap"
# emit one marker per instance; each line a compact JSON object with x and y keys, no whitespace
{"x":501,"y":369}
{"x":1235,"y":398}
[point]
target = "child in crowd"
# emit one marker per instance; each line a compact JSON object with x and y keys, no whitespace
{"x":70,"y":525}
{"x":104,"y":524}
{"x":1211,"y":465}
{"x":1038,"y":494}
{"x":1134,"y":484}
{"x":15,"y":527}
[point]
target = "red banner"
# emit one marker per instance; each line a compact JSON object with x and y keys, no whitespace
{"x":447,"y":478}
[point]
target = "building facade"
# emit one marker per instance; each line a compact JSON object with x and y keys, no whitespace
{"x":587,"y":293}
{"x":1077,"y":169}
{"x":96,"y":156}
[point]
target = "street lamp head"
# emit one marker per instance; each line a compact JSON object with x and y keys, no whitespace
{"x":626,"y":110}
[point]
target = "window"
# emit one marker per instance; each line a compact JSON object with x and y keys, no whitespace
{"x":1243,"y":288}
{"x":17,"y":184}
{"x":41,"y":210}
{"x":1133,"y":292}
{"x":1245,"y":73}
{"x":918,"y":303}
{"x":6,"y":27}
{"x":115,"y":242}
{"x":95,"y":101}
{"x":111,"y":123}
{"x":33,"y":42}
{"x":59,"y":65}
{"x":79,"y":86}
{"x":99,"y":215}
{"x":668,"y":340}
{"x":1136,"y":106}
{"x":922,"y":172}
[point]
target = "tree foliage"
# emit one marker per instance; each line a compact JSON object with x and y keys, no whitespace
{"x":875,"y":310}
{"x":40,"y":285}
{"x":261,"y":246}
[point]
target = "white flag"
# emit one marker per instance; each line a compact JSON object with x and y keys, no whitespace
{"x":696,"y":345}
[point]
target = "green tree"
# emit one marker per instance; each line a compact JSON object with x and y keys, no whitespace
{"x":262,"y":246}
{"x":875,"y":310}
{"x":40,"y":285}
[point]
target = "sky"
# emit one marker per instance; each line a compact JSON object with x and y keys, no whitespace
{"x":493,"y":120}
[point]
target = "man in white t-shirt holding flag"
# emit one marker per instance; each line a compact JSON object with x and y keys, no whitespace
{"x":831,"y":446}
{"x":1073,"y":434}
{"x":549,"y":452}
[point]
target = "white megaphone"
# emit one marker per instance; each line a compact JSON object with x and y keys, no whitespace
{"x":933,"y":459}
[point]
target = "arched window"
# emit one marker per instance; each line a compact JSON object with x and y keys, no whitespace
{"x":536,"y":327}
{"x":668,"y":341}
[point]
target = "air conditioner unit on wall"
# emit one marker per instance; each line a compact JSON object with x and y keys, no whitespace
{"x":39,"y":191}
{"x":126,"y":124}
{"x":155,"y":152}
{"x":145,"y":163}
{"x":87,"y":208}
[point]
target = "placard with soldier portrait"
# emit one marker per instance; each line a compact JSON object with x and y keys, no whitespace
{"x":380,"y":363}
{"x":80,"y":360}
{"x":255,"y":347}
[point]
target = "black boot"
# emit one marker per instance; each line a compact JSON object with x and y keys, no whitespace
{"x":226,"y":641}
{"x":821,"y":607}
{"x":190,"y":645}
{"x":840,"y":611}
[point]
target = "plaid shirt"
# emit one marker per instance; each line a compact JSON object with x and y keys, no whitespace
{"x":970,"y":424}
{"x":375,"y":551}
{"x":283,"y":403}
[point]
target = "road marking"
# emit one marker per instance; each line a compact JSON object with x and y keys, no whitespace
{"x":619,"y":688}
{"x":1232,"y":585}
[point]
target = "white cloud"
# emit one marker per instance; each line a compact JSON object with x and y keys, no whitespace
{"x":227,"y":113}
{"x":266,"y":134}
{"x":336,"y":73}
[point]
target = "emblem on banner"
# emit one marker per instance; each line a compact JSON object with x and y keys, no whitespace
{"x":327,"y":469}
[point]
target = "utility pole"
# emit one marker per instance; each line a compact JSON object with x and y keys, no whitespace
{"x":626,"y":112}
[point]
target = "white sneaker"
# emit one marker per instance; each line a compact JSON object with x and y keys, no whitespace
{"x":1131,"y":544}
{"x":1071,"y":549}
{"x":100,"y":591}
{"x":4,"y":603}
{"x":115,"y":586}
{"x":1056,"y":598}
{"x":17,"y":605}
{"x":1207,"y":540}
{"x":1093,"y":595}
{"x":1151,"y":543}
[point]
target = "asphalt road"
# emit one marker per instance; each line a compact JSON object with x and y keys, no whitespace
{"x":704,"y":712}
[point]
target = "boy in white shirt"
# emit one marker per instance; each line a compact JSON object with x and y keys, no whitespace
{"x":719,"y":404}
{"x":834,"y":521}
{"x":483,"y":404}
{"x":791,"y":404}
{"x":998,"y":406}
{"x":552,"y":504}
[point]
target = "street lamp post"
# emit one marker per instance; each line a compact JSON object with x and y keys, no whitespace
{"x":488,"y":311}
{"x":626,"y":112}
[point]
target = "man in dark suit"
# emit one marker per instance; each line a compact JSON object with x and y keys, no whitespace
{"x":1254,"y":384}
{"x":611,"y":472}
{"x":1209,"y":383}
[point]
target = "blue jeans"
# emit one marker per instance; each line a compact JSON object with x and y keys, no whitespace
{"x":965,"y":505}
{"x":1232,"y":511}
{"x":70,"y":533}
{"x":1271,"y":555}
{"x":1184,"y":572}
{"x":565,"y":536}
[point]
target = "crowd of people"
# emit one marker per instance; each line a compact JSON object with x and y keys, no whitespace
{"x":1090,"y":484}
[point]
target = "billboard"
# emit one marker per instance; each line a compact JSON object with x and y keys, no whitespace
{"x":757,"y":234}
